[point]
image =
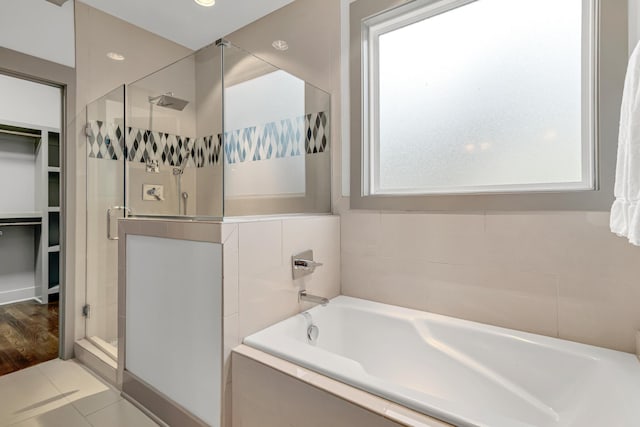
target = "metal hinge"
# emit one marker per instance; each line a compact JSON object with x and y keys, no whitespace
{"x":86,"y":310}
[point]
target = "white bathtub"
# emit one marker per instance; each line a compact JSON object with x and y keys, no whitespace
{"x":465,"y":373}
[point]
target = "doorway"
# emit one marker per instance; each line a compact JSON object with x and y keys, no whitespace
{"x":30,"y":222}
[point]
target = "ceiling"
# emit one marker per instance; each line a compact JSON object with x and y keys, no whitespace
{"x":185,"y":22}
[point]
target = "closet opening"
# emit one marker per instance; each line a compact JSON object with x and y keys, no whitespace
{"x":30,"y":223}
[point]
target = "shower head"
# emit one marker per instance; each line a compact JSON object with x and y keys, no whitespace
{"x":168,"y":101}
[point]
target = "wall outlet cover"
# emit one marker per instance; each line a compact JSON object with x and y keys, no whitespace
{"x":152,"y":192}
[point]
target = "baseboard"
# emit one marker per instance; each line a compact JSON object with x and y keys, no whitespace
{"x":17,"y":295}
{"x":97,"y":361}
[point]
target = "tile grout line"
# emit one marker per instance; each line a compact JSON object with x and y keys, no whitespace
{"x":101,"y":409}
{"x":81,"y":366}
{"x":60,"y":394}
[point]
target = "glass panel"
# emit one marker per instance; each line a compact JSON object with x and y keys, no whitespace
{"x":175,"y":118}
{"x":276,"y":140}
{"x":464,"y":108}
{"x":105,"y":191}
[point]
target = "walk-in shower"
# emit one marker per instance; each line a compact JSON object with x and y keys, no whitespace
{"x":230,"y":134}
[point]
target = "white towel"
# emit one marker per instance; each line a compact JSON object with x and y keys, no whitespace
{"x":625,"y":212}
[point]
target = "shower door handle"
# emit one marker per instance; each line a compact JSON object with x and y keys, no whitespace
{"x":111,"y":210}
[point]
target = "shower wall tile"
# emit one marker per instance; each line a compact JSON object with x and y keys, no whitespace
{"x":267,"y":291}
{"x":167,"y":149}
{"x":104,"y":140}
{"x":230,"y":269}
{"x":284,"y":138}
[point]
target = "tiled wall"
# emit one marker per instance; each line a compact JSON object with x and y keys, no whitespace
{"x":558,"y":274}
{"x":285,"y":138}
{"x":258,"y":287}
{"x":258,"y":257}
{"x":107,"y":141}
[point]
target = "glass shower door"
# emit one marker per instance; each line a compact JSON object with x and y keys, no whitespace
{"x":106,"y":156}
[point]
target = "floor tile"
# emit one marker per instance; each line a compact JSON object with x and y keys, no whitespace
{"x":85,"y":391}
{"x":120,"y":414}
{"x":25,"y":394}
{"x":65,"y":416}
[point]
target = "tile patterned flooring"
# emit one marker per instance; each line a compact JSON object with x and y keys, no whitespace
{"x":64,"y":394}
{"x":28,"y":334}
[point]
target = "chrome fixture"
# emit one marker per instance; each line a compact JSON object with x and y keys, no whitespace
{"x":304,"y":296}
{"x":303,"y":264}
{"x":152,"y":166}
{"x":110,"y":211}
{"x":153,"y":192}
{"x":312,"y":330}
{"x":180,"y":169}
{"x":185,"y":197}
{"x":57,"y":2}
{"x":167,"y":100}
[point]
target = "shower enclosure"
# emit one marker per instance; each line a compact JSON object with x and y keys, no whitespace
{"x":219,"y":133}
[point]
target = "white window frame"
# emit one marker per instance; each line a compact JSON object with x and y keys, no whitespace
{"x":418,"y":10}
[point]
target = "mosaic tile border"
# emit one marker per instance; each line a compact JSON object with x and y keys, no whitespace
{"x":308,"y":134}
{"x":284,"y":138}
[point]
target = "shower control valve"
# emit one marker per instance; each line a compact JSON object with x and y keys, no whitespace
{"x":152,"y":192}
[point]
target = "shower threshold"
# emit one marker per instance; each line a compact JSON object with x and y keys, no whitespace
{"x":109,"y":348}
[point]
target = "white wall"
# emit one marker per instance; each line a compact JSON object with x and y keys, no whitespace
{"x":17,"y":175}
{"x":30,"y":103}
{"x":39,"y":28}
{"x":17,"y":264}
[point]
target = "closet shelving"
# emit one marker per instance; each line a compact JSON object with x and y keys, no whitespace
{"x":29,"y":213}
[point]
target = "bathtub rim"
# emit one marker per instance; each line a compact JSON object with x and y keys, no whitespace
{"x":606,"y":357}
{"x":380,"y":406}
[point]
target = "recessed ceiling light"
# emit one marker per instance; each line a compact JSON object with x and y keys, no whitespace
{"x":115,"y":56}
{"x":280,"y":45}
{"x":206,"y":3}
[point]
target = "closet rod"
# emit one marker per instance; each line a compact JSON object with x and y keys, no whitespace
{"x":15,"y":132}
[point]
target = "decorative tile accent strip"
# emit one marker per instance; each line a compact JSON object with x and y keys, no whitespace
{"x":208,"y":152}
{"x":104,"y":140}
{"x":168,"y":149}
{"x":318,"y":132}
{"x":284,"y":138}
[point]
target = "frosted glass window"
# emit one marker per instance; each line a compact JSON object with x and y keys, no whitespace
{"x":487,"y":96}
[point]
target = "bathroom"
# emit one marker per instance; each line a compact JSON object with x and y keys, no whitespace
{"x":523,"y":300}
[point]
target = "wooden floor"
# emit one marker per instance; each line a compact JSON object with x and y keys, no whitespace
{"x":28,"y":334}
